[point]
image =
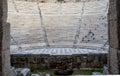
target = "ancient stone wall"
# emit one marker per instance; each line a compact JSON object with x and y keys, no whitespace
{"x":40,"y":61}
{"x":61,"y":22}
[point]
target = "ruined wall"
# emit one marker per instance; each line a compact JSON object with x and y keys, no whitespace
{"x":41,"y":61}
{"x":61,"y":22}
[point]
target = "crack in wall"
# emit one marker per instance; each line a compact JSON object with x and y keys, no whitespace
{"x":43,"y":27}
{"x":79,"y":27}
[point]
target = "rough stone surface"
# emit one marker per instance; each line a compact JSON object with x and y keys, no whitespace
{"x":61,"y":22}
{"x":41,"y":61}
{"x":6,"y":50}
{"x":114,"y":37}
{"x":4,"y":40}
{"x":23,"y":71}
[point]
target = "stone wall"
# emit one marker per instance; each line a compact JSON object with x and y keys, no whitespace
{"x":61,"y":22}
{"x":40,"y":61}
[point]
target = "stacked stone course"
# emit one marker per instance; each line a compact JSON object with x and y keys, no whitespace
{"x":40,"y":61}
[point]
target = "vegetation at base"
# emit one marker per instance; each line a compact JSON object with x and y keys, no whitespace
{"x":42,"y":71}
{"x":51,"y":72}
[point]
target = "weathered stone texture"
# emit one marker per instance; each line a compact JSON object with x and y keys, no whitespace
{"x":4,"y":40}
{"x":114,"y":36}
{"x":40,"y":61}
{"x":61,"y":22}
{"x":6,"y":50}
